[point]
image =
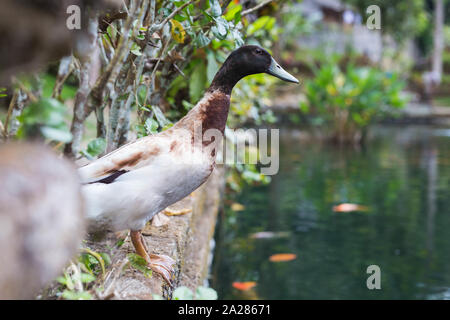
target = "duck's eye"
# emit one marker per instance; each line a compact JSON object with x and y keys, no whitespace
{"x":258,"y":51}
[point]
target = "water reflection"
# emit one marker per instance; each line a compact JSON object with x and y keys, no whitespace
{"x":402,"y":175}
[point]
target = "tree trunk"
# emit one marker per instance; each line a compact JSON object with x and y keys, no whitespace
{"x":438,"y":45}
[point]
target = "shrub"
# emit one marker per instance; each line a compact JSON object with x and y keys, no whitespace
{"x":345,"y":101}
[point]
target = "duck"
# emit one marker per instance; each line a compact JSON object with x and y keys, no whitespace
{"x":42,"y":221}
{"x":127,"y":187}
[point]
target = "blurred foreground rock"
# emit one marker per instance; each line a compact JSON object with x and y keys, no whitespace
{"x":41,"y":218}
{"x":35,"y":32}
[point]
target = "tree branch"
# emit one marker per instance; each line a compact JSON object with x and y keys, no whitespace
{"x":170,"y":16}
{"x":82,"y":109}
{"x":64,"y":70}
{"x":262,"y":4}
{"x":109,"y":76}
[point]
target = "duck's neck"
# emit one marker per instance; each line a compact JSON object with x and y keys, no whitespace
{"x":227,"y":77}
{"x":215,"y":106}
{"x":213,"y":110}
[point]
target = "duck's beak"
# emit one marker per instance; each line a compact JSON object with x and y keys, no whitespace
{"x":277,"y":71}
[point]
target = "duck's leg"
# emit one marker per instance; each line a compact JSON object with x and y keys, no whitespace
{"x":161,"y":264}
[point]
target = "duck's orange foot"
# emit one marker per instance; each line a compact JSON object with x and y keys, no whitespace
{"x":162,"y":265}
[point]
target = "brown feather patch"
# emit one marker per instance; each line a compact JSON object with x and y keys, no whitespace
{"x":130,"y":161}
{"x":214,"y":114}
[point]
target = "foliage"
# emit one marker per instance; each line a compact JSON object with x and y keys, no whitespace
{"x":294,"y":24}
{"x":249,"y":99}
{"x":78,"y":279}
{"x":345,"y":101}
{"x":201,"y":293}
{"x":68,"y":91}
{"x":2,"y":92}
{"x":94,"y":148}
{"x":140,"y":264}
{"x":230,"y":31}
{"x":45,"y":118}
{"x":244,"y":174}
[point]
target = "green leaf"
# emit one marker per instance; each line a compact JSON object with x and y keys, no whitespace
{"x":216,"y":10}
{"x":106,"y":258}
{"x":46,"y":111}
{"x":140,"y":264}
{"x":183,"y":293}
{"x":187,"y":105}
{"x":67,"y":281}
{"x":97,"y":257}
{"x":238,"y":41}
{"x":48,"y":116}
{"x":96,"y":146}
{"x":203,"y":293}
{"x":167,"y":126}
{"x":234,"y":13}
{"x":212,"y":66}
{"x":178,"y":3}
{"x":135,"y":49}
{"x":220,"y":29}
{"x":71,"y":295}
{"x":86,"y":278}
{"x":197,"y":82}
{"x":201,"y":40}
{"x":151,"y":126}
{"x":61,"y":280}
{"x":207,"y":15}
{"x":120,"y":243}
{"x":85,"y":259}
{"x":265,"y":22}
{"x":162,"y":120}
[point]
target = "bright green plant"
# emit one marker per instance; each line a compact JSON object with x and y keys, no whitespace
{"x":45,"y":118}
{"x":201,"y":293}
{"x":78,"y":278}
{"x":345,"y":101}
{"x":3,"y":93}
{"x":94,"y":148}
{"x":140,"y":264}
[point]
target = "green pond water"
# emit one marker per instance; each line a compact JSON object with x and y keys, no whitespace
{"x":402,"y":175}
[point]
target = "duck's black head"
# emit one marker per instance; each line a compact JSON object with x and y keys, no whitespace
{"x":245,"y":61}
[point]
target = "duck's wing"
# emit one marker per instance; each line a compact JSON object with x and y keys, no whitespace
{"x":127,"y":158}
